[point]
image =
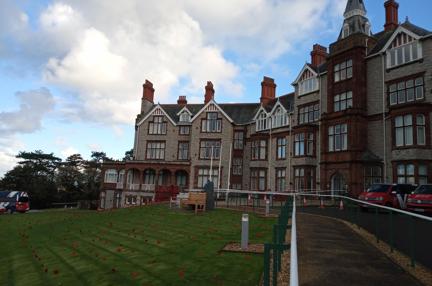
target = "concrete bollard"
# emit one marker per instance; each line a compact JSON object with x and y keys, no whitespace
{"x":245,"y":232}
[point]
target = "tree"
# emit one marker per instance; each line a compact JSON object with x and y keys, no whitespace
{"x":128,"y":155}
{"x":34,"y":174}
{"x":70,"y":179}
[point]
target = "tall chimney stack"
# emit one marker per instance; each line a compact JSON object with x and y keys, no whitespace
{"x":268,"y":90}
{"x":182,"y":100}
{"x":209,"y":92}
{"x":148,"y":91}
{"x":392,"y":15}
{"x":148,"y":97}
{"x":318,"y":55}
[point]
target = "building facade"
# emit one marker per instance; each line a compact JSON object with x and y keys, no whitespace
{"x":361,"y":113}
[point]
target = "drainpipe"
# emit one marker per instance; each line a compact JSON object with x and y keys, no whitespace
{"x":319,"y":134}
{"x":384,"y":118}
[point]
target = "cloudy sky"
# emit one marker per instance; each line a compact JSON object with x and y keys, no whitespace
{"x":71,"y":71}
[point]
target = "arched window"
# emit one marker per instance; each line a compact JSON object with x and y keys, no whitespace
{"x":261,"y":123}
{"x":121,"y":176}
{"x":279,"y":118}
{"x":149,"y":177}
{"x":111,"y":176}
{"x":346,"y":31}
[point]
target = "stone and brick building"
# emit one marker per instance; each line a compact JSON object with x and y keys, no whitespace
{"x":360,"y":114}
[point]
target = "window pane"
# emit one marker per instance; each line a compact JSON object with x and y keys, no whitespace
{"x":401,"y":170}
{"x":410,"y":94}
{"x":408,"y":136}
{"x":410,"y":170}
{"x":399,"y":137}
{"x":419,"y":92}
{"x":422,"y":170}
{"x":421,"y":140}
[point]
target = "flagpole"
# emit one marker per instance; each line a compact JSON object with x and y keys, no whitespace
{"x":219,"y":169}
{"x":229,"y":168}
{"x":211,"y":165}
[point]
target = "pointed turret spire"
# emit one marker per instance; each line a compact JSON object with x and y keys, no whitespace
{"x":355,"y":7}
{"x":356,"y":20}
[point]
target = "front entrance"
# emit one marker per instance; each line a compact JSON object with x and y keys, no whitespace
{"x":337,"y":184}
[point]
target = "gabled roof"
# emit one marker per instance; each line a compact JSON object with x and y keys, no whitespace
{"x":385,"y":38}
{"x":184,"y":109}
{"x":305,"y":68}
{"x":157,"y":107}
{"x":212,"y":102}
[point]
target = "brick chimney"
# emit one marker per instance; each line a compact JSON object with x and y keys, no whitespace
{"x":209,"y":92}
{"x":148,"y":91}
{"x":318,"y":55}
{"x":182,"y":100}
{"x":392,"y":15}
{"x":268,"y":90}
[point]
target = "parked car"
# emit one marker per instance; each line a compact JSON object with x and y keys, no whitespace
{"x":421,"y":199}
{"x":12,"y":201}
{"x":389,"y":195}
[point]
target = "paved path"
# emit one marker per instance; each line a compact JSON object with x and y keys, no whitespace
{"x":330,"y":253}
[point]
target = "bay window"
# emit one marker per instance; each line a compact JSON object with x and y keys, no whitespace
{"x":406,"y":91}
{"x":237,"y":166}
{"x":338,"y":138}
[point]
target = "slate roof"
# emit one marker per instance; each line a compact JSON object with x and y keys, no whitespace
{"x":354,"y":5}
{"x":240,"y":113}
{"x":319,"y":69}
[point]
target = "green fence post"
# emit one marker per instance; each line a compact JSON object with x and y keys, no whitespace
{"x":412,"y":232}
{"x":275,"y":265}
{"x":376,"y":224}
{"x":266,"y":264}
{"x":391,"y":231}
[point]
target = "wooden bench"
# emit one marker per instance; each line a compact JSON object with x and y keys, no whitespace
{"x":195,"y":199}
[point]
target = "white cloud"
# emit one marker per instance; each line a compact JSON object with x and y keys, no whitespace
{"x":34,"y":106}
{"x":101,"y":51}
{"x":68,"y":152}
{"x":9,"y":148}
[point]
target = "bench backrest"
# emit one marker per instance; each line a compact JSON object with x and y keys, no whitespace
{"x":197,"y":197}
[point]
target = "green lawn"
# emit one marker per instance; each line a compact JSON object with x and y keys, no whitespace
{"x":142,"y":246}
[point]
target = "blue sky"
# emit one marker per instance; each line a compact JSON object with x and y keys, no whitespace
{"x":71,"y":71}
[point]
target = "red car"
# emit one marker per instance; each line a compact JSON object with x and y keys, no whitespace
{"x":421,"y":200}
{"x":389,"y":195}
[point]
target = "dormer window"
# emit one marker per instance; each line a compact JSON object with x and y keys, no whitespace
{"x":261,"y":123}
{"x":185,"y":117}
{"x":279,"y":118}
{"x":308,"y":86}
{"x":404,"y":49}
{"x":346,"y":31}
{"x":307,"y":83}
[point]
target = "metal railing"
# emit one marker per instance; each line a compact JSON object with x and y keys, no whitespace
{"x":148,"y":187}
{"x":133,"y":187}
{"x":405,"y":231}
